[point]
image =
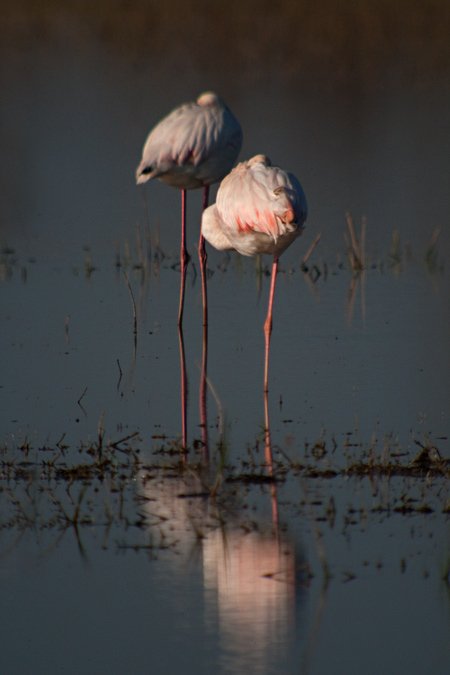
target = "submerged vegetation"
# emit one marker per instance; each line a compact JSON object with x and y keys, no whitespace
{"x":141,"y":498}
{"x":147,"y":255}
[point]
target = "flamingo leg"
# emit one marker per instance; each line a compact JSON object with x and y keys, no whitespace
{"x":268,"y":323}
{"x":184,"y":255}
{"x":203,"y":257}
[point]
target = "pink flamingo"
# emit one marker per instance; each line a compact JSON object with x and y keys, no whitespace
{"x":196,"y":145}
{"x":259,"y":209}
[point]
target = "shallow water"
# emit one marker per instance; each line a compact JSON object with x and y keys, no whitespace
{"x":151,"y":570}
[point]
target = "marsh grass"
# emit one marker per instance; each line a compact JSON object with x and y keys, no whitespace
{"x":40,"y":488}
{"x":356,"y":259}
{"x":144,"y":257}
{"x":163,"y":500}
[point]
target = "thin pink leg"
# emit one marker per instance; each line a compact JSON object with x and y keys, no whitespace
{"x":202,"y":256}
{"x":184,"y":255}
{"x":268,"y":323}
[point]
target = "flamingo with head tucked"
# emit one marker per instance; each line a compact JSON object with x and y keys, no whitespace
{"x":259,"y":209}
{"x":196,"y":145}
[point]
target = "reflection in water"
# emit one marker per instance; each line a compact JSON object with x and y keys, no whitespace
{"x":133,"y":304}
{"x":184,"y":386}
{"x":202,"y":396}
{"x":351,"y":296}
{"x":250,"y":577}
{"x":249,"y":569}
{"x":203,"y":389}
{"x":315,"y":630}
{"x":269,"y":460}
{"x":356,"y":251}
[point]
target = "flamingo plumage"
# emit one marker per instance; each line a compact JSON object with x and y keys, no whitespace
{"x":259,"y":209}
{"x":194,"y":146}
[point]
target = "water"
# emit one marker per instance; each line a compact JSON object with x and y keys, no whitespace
{"x":150,"y":570}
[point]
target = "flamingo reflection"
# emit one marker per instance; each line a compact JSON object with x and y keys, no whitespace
{"x":184,"y":389}
{"x":356,"y":250}
{"x":204,"y":397}
{"x":269,"y":461}
{"x":250,"y":576}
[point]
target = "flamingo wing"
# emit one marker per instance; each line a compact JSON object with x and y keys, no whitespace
{"x":190,"y":135}
{"x":258,"y":198}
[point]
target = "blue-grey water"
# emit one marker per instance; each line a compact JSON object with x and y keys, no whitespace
{"x":357,"y":361}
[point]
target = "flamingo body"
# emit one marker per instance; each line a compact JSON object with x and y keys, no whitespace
{"x":259,"y":209}
{"x":196,"y":145}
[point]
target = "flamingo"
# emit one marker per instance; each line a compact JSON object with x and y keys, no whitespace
{"x":196,"y":145}
{"x":259,"y":209}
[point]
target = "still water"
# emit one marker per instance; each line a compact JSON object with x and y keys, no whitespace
{"x":152,"y":562}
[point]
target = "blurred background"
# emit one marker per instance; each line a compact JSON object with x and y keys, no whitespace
{"x":352,"y":96}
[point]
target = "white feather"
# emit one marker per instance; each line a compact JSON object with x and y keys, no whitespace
{"x":197,"y":144}
{"x":259,"y":209}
